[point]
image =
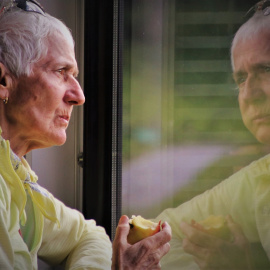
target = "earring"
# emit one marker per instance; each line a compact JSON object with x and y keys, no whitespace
{"x":5,"y":100}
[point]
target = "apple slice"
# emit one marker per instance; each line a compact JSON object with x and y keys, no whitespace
{"x":141,"y":228}
{"x":214,"y":225}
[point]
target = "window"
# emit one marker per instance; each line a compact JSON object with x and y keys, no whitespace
{"x":182,"y":129}
{"x":161,"y":119}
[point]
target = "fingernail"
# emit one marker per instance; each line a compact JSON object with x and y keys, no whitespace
{"x":124,"y":219}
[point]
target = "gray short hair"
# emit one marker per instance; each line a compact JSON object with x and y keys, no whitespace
{"x":254,"y":26}
{"x":23,"y":38}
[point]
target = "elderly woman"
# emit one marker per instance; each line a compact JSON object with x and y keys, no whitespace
{"x":38,"y":89}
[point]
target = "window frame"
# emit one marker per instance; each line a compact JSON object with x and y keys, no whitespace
{"x":102,"y":113}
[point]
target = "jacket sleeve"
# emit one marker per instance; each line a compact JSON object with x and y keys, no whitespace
{"x":79,"y":242}
{"x":234,"y":196}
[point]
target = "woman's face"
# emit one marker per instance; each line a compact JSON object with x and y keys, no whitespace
{"x":252,"y":75}
{"x":40,"y":105}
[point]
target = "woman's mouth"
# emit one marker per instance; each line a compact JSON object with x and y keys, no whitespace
{"x":64,"y":120}
{"x":261,"y":118}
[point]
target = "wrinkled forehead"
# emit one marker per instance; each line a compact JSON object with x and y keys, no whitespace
{"x":257,"y":40}
{"x":60,"y":53}
{"x":258,"y":43}
{"x":61,"y":36}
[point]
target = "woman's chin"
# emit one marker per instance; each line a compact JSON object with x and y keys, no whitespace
{"x":59,"y":138}
{"x":263,"y":138}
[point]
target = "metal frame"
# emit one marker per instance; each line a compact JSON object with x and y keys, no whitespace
{"x":102,"y":114}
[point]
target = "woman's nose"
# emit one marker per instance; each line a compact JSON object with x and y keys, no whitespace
{"x":74,"y":95}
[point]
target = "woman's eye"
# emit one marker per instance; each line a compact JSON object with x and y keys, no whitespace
{"x":62,"y":71}
{"x":240,"y":80}
{"x":267,"y":69}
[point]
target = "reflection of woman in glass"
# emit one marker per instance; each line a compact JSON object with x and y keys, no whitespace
{"x":244,"y":197}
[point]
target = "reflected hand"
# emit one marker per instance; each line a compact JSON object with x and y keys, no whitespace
{"x":145,"y":254}
{"x":211,"y":252}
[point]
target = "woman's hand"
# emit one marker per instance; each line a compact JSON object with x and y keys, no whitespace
{"x":145,"y":254}
{"x":211,"y":252}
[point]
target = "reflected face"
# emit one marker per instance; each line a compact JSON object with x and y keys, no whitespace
{"x":252,"y":75}
{"x":40,"y":105}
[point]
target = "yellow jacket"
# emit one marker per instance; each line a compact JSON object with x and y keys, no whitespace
{"x":245,"y":196}
{"x":34,"y":223}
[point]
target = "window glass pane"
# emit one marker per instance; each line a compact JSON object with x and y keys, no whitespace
{"x":182,"y":129}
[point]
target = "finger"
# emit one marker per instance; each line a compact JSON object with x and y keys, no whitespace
{"x":164,"y":249}
{"x":155,"y":267}
{"x":193,"y":249}
{"x":236,"y":230}
{"x":151,"y":259}
{"x":193,"y":234}
{"x":186,"y":228}
{"x":120,"y":242}
{"x":203,"y":257}
{"x":122,"y":229}
{"x":161,"y":238}
{"x":200,"y":238}
{"x":148,"y":252}
{"x":151,"y":267}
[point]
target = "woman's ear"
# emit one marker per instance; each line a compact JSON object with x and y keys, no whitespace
{"x":5,"y":82}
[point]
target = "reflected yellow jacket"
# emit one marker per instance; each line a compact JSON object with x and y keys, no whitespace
{"x":34,"y":223}
{"x":245,"y":196}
